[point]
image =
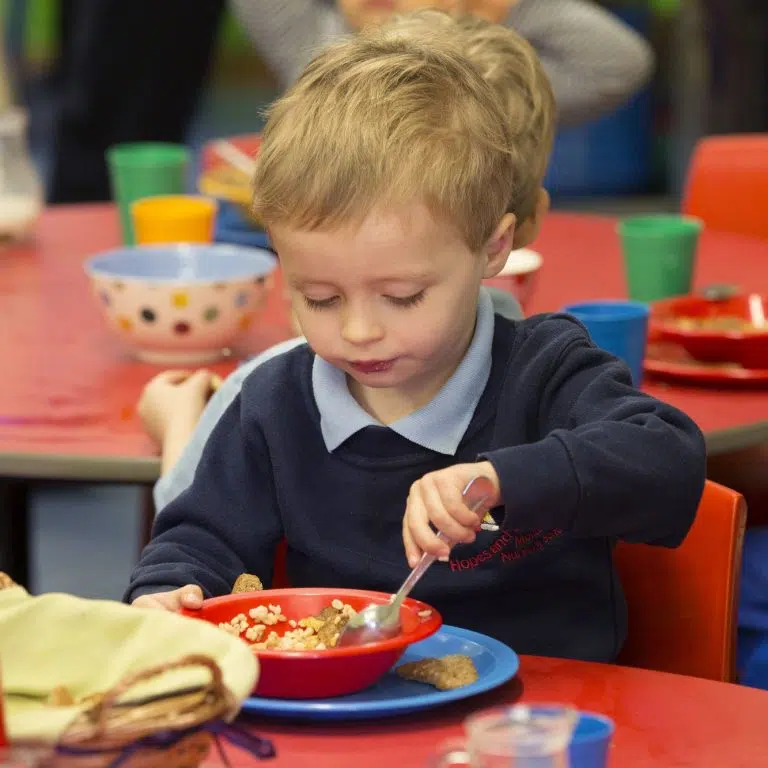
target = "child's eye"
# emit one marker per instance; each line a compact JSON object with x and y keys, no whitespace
{"x":407,"y":301}
{"x":320,"y":303}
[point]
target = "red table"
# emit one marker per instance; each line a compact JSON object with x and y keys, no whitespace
{"x":68,"y":391}
{"x":665,"y":721}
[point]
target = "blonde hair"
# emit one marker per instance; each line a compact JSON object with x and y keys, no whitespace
{"x":453,"y":113}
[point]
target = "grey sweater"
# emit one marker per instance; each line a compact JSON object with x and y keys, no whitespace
{"x":594,"y":61}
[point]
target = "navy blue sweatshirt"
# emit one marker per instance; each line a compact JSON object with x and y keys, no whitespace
{"x":583,"y":458}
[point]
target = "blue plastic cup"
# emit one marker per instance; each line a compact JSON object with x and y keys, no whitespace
{"x":618,"y":327}
{"x":591,"y":741}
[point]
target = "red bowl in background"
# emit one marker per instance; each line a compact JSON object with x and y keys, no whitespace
{"x":519,"y":275}
{"x":688,"y":321}
{"x":331,"y":672}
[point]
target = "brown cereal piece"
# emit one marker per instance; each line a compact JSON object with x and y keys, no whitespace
{"x":247,"y":582}
{"x":60,"y":697}
{"x":329,"y":633}
{"x":312,"y":622}
{"x":445,"y":674}
{"x":6,"y":582}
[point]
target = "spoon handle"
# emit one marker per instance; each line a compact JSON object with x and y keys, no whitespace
{"x":475,"y":495}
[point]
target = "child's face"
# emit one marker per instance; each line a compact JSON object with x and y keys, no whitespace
{"x":391,"y":302}
{"x":361,"y":13}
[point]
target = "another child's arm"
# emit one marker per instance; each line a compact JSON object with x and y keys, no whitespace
{"x":595,"y":62}
{"x":177,"y":476}
{"x":198,"y":538}
{"x":288,"y":33}
{"x":170,"y":407}
{"x":612,"y":462}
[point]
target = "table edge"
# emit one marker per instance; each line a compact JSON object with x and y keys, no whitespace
{"x":85,"y":468}
{"x":731,"y":439}
{"x":146,"y":469}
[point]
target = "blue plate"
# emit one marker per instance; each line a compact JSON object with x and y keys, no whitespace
{"x":496,"y":663}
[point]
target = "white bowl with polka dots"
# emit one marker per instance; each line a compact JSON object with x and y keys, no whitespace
{"x":180,"y":304}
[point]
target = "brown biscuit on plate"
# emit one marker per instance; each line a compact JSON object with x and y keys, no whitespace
{"x":445,"y":674}
{"x":247,"y":582}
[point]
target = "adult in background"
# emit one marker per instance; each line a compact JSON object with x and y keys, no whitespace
{"x":129,"y":70}
{"x":594,"y":61}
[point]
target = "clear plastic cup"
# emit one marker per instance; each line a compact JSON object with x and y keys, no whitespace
{"x":523,"y":736}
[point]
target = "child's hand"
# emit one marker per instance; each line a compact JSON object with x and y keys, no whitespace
{"x":174,"y":398}
{"x":436,"y":499}
{"x":190,"y":597}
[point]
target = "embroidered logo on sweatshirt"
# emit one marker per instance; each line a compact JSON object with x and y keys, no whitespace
{"x":509,"y":547}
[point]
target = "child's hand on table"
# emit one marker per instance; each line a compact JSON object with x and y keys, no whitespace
{"x":436,"y":499}
{"x":190,"y":597}
{"x":174,"y":397}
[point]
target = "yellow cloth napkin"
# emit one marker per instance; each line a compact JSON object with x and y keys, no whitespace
{"x":88,"y":646}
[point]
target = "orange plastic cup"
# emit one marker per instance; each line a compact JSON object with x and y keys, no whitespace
{"x":174,"y":219}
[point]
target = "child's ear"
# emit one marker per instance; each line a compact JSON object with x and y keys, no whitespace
{"x":499,"y":245}
{"x":528,"y":230}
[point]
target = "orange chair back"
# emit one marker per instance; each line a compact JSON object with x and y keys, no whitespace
{"x":727,"y":184}
{"x":683,"y":602}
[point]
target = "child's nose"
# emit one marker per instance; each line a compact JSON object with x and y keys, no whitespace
{"x":361,"y":328}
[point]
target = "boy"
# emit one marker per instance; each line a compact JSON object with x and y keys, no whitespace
{"x":173,"y":402}
{"x":393,"y":182}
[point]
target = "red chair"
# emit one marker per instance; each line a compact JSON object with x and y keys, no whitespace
{"x":683,"y":602}
{"x":727,"y":184}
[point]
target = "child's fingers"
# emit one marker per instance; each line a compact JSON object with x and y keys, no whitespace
{"x":173,"y":377}
{"x":150,"y":601}
{"x":423,"y":535}
{"x":412,"y":552}
{"x":191,"y":597}
{"x":449,"y":489}
{"x":442,"y":518}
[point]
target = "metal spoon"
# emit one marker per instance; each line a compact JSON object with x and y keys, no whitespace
{"x":381,"y":622}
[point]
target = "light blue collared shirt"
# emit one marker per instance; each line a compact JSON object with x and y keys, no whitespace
{"x":438,"y":426}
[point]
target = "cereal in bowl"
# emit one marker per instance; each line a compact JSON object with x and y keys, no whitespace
{"x":313,"y":633}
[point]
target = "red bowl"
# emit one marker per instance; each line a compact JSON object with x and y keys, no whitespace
{"x":519,"y":275}
{"x":747,"y":347}
{"x":332,"y":672}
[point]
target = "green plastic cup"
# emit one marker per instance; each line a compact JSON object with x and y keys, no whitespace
{"x":659,"y":255}
{"x":145,"y":170}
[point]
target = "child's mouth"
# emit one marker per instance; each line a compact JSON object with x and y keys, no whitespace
{"x":372,"y":366}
